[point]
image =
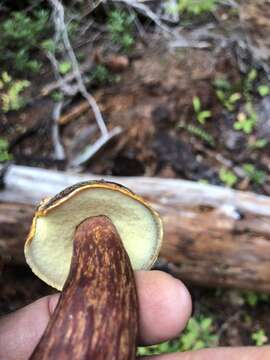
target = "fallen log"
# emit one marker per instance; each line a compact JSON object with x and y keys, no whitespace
{"x":214,"y":236}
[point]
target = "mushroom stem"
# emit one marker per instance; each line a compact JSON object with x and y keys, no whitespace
{"x":97,"y":314}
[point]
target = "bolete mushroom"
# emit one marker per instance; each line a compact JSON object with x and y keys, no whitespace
{"x":86,"y":241}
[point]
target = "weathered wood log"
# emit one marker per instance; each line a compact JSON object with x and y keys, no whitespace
{"x":213,"y":235}
{"x":15,"y":220}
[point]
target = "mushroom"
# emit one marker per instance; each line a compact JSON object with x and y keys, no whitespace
{"x":86,"y":241}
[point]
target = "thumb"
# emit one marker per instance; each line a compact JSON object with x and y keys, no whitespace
{"x":20,"y":331}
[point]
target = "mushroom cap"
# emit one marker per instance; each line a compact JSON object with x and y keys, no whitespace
{"x":49,"y":245}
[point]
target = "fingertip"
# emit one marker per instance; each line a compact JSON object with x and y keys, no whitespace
{"x":165,"y":306}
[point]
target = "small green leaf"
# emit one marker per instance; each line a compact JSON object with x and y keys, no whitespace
{"x":6,"y":78}
{"x":235,"y":97}
{"x":48,"y":45}
{"x":259,"y":144}
{"x":227,"y":177}
{"x":203,"y":115}
{"x":57,"y":96}
{"x":64,"y":67}
{"x":252,"y":75}
{"x":221,"y":95}
{"x":196,"y":104}
{"x":259,"y":337}
{"x":263,"y":90}
{"x":222,"y":84}
{"x":237,"y":125}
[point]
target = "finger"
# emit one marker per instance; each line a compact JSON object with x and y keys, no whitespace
{"x":244,"y":353}
{"x":21,"y":330}
{"x":164,"y":305}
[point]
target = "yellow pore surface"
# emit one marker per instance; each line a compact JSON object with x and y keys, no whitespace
{"x":49,"y":251}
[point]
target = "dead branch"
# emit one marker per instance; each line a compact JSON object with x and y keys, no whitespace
{"x":59,"y":151}
{"x":62,"y":33}
{"x":74,"y":113}
{"x":213,"y":235}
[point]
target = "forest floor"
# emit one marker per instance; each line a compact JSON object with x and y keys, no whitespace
{"x":199,"y":112}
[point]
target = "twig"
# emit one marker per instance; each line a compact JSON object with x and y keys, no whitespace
{"x":64,"y":85}
{"x":177,"y":40}
{"x":59,"y":151}
{"x":61,"y":31}
{"x":75,"y":112}
{"x":91,"y":150}
{"x":47,"y":89}
{"x":229,"y":321}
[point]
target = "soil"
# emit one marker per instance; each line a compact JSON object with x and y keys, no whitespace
{"x":151,"y":99}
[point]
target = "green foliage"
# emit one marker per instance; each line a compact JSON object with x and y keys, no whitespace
{"x":226,"y":95}
{"x":196,"y":7}
{"x":252,"y":298}
{"x":259,"y":337}
{"x":228,"y":177}
{"x":11,"y":90}
{"x":20,"y":35}
{"x":256,"y":176}
{"x":198,"y":335}
{"x":101,"y":75}
{"x":64,"y":67}
{"x":201,"y":115}
{"x":120,"y":26}
{"x":4,"y":154}
{"x":263,"y":90}
{"x":201,"y":134}
{"x":247,"y":120}
{"x":57,"y":96}
{"x":248,"y":84}
{"x":48,"y":45}
{"x":259,"y":144}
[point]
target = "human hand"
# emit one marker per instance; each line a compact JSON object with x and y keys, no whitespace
{"x":165,"y":307}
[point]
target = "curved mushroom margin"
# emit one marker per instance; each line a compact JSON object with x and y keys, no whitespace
{"x":47,"y":204}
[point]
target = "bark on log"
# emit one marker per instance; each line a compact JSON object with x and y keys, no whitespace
{"x":213,"y":235}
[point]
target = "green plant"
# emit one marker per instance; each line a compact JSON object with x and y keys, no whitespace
{"x":101,"y":74}
{"x":226,"y":95}
{"x":199,"y":334}
{"x":4,"y":154}
{"x":57,"y":96}
{"x":64,"y":67}
{"x":228,"y":177}
{"x":246,"y":120}
{"x":48,"y":45}
{"x":20,"y":36}
{"x":201,"y":134}
{"x":163,"y":348}
{"x":11,"y":90}
{"x":196,"y":7}
{"x":252,"y":298}
{"x":201,"y":115}
{"x":120,"y":26}
{"x":255,"y":175}
{"x":263,"y":90}
{"x":258,"y":144}
{"x":248,"y":84}
{"x":259,"y":337}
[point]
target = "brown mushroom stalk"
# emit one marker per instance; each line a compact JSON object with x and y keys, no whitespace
{"x":97,"y":314}
{"x":87,"y":241}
